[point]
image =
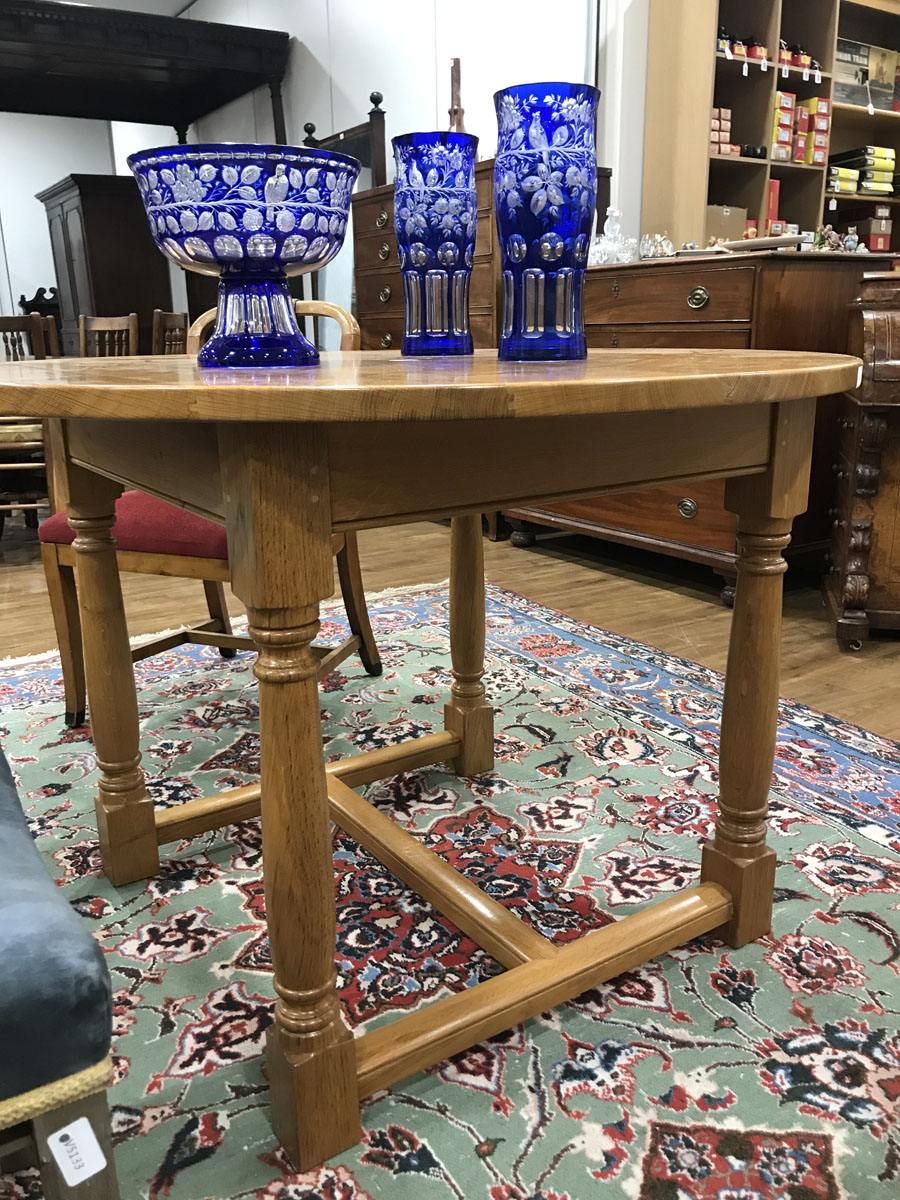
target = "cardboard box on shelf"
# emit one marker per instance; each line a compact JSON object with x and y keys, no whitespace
{"x":819,"y":140}
{"x":818,"y":105}
{"x":724,"y":114}
{"x":772,"y":197}
{"x":785,"y":99}
{"x":725,"y":221}
{"x":801,"y":120}
{"x":783,"y":116}
{"x":714,"y":113}
{"x":781,"y":136}
{"x":780,"y":153}
{"x":843,"y":186}
{"x":798,"y":150}
{"x":819,"y":122}
{"x":878,"y":241}
{"x":725,"y":127}
{"x":714,"y":124}
{"x":815,"y":156}
{"x":792,"y":228}
{"x":775,"y":228}
{"x":873,"y":227}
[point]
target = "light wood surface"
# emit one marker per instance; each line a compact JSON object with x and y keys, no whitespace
{"x":374,"y":387}
{"x":278,"y":498}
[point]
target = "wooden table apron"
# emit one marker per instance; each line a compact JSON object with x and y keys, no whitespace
{"x":281,"y":486}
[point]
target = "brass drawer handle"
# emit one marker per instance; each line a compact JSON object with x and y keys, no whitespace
{"x":386,"y":341}
{"x":385,"y":294}
{"x":614,"y":340}
{"x":615,"y":287}
{"x":688,"y":508}
{"x":698,"y":298}
{"x":381,"y":220}
{"x":383,"y":251}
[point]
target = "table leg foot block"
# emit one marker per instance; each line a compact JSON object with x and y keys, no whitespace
{"x":128,"y":843}
{"x":475,"y":729}
{"x":315,"y":1099}
{"x":751,"y":882}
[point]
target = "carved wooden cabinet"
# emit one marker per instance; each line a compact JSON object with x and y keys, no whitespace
{"x":107,"y":264}
{"x":379,"y":286}
{"x":862,"y":591}
{"x":764,"y":300}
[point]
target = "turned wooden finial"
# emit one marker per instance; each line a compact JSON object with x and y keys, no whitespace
{"x":456,"y":109}
{"x":375,"y":98}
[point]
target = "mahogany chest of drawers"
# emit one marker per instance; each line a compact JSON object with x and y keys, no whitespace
{"x":765,"y":300}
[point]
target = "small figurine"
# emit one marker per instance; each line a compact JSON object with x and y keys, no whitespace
{"x":851,"y":239}
{"x":862,"y":248}
{"x":750,"y":232}
{"x":833,"y":239}
{"x":819,"y":241}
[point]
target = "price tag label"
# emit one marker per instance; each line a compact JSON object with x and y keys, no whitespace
{"x":784,"y":72}
{"x":870,"y":108}
{"x":728,"y":53}
{"x":832,"y":205}
{"x":806,"y":74}
{"x":763,"y":65}
{"x":76,"y":1151}
{"x":818,"y":76}
{"x":746,"y":70}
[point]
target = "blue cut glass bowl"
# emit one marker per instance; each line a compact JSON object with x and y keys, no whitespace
{"x":435,"y":219}
{"x":545,"y":190}
{"x":252,"y":215}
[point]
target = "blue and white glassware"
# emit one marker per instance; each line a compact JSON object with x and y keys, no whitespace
{"x":252,"y":215}
{"x":435,"y":216}
{"x":545,"y":189}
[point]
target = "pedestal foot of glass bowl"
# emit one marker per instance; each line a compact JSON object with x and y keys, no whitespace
{"x":256,"y":327}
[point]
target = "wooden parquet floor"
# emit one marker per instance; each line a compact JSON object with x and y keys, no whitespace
{"x":666,"y":603}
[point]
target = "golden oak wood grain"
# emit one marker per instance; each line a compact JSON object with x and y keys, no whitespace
{"x":373,"y":386}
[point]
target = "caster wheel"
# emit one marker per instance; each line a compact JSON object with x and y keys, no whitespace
{"x":227,"y":652}
{"x":523,"y":538}
{"x":727,"y":596}
{"x":854,"y":645}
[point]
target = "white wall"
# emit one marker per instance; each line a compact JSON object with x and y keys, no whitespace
{"x":341,"y":54}
{"x":37,"y":152}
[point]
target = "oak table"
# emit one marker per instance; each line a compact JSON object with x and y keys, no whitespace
{"x":285,"y":457}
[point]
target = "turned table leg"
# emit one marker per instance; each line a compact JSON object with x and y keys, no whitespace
{"x":275,"y":482}
{"x":467,"y":712}
{"x":737,"y":857}
{"x":125,"y":821}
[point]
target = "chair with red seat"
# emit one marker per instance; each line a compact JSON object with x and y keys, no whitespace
{"x":156,"y":538}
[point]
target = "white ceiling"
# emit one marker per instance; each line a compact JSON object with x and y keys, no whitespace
{"x":161,"y":8}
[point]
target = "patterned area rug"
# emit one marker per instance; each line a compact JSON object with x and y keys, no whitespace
{"x":769,"y":1073}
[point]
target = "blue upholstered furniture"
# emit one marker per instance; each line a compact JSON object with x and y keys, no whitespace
{"x":55,"y":1009}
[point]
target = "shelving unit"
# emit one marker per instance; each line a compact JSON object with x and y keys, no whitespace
{"x":687,"y":77}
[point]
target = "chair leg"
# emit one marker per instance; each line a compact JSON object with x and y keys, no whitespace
{"x":101,"y":1186}
{"x":355,"y":603}
{"x":63,"y":595}
{"x":218,"y":611}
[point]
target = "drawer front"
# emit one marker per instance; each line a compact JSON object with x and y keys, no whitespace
{"x":692,"y":514}
{"x":387,"y":333}
{"x":481,"y":286}
{"x":376,"y":252}
{"x":632,"y":337}
{"x":381,"y":333}
{"x":380,"y":292}
{"x":483,"y":233}
{"x":484,"y":188}
{"x":373,"y":215}
{"x":663,"y":294}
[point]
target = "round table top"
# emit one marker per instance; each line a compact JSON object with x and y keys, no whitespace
{"x":372,"y":385}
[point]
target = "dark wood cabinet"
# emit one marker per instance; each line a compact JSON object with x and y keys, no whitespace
{"x":767,"y":300}
{"x":106,"y":261}
{"x":862,"y":590}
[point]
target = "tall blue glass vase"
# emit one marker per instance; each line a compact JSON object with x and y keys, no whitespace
{"x":435,"y":214}
{"x":545,"y":189}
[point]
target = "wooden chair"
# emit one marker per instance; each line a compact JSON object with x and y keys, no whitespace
{"x":24,"y":482}
{"x":107,"y":337}
{"x":365,"y":142}
{"x":169,"y":332}
{"x":155,"y":538}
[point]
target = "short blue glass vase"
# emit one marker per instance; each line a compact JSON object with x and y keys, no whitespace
{"x":252,"y":215}
{"x":435,"y":216}
{"x":545,"y":190}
